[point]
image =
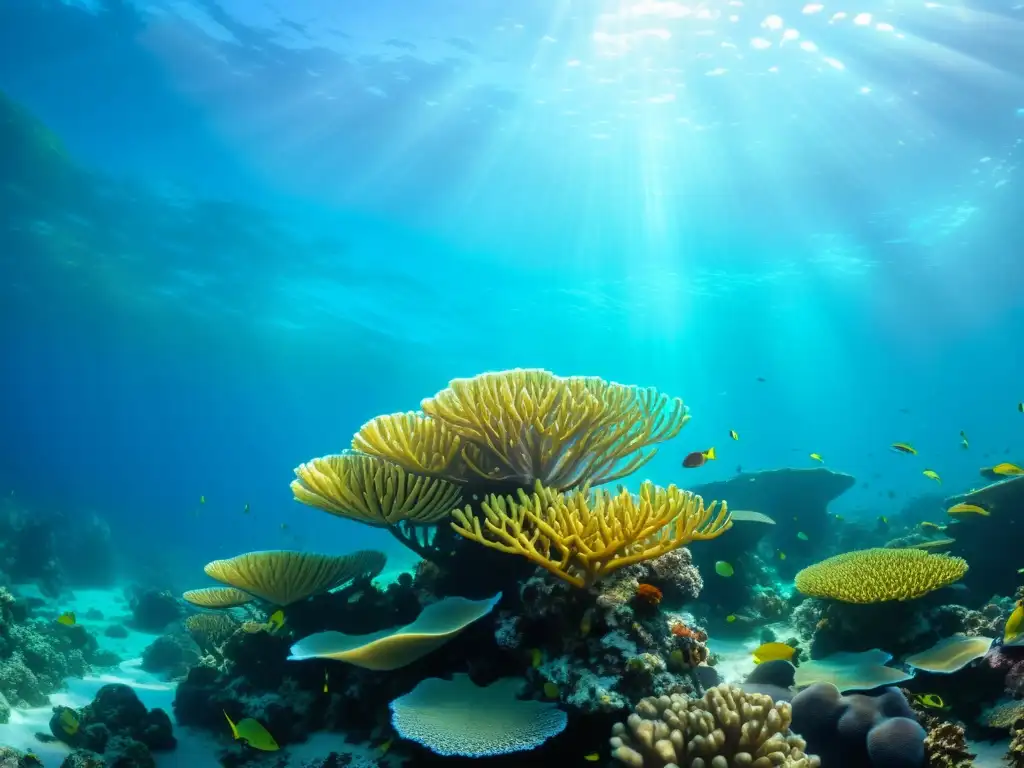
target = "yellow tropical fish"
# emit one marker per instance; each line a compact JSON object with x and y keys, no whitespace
{"x":276,"y":620}
{"x":930,"y":700}
{"x":245,"y":509}
{"x":67,"y":619}
{"x":967,"y":509}
{"x":782,"y":555}
{"x":325,"y":681}
{"x":1007,"y":469}
{"x":773,"y":652}
{"x":904,"y":448}
{"x":734,"y":434}
{"x":883,"y":519}
{"x":817,"y":457}
{"x":1013,"y":624}
{"x":730,"y":618}
{"x":202,"y":499}
{"x":69,"y":722}
{"x":535,"y":658}
{"x":383,"y":748}
{"x":1020,"y":407}
{"x":933,"y":526}
{"x":550,"y":690}
{"x":284,"y":526}
{"x":253,"y":734}
{"x":802,"y":536}
{"x":932,"y":474}
{"x":586,"y":621}
{"x":724,"y":569}
{"x":593,"y":757}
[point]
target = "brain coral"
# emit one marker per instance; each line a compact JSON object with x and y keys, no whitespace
{"x":879,"y":575}
{"x":457,"y":717}
{"x":727,"y":727}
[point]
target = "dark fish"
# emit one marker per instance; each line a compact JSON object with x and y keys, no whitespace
{"x":698,"y":458}
{"x":739,"y":469}
{"x":892,"y":494}
{"x":762,"y":379}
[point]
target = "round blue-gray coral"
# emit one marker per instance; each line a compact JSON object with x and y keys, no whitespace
{"x":457,"y":717}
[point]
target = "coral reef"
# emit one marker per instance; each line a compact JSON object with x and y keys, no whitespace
{"x":115,"y":725}
{"x":725,"y":727}
{"x":153,"y":609}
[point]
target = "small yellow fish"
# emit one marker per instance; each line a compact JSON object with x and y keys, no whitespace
{"x":586,"y":622}
{"x":325,"y":681}
{"x":1020,"y":570}
{"x":253,"y":734}
{"x":284,"y":526}
{"x":773,"y":651}
{"x":593,"y":757}
{"x":383,"y":748}
{"x":933,"y":526}
{"x":1013,"y":624}
{"x":69,"y":722}
{"x":817,"y":457}
{"x":535,"y":658}
{"x":839,"y":518}
{"x":730,"y":618}
{"x":1007,"y":469}
{"x":802,"y":536}
{"x":931,"y":700}
{"x":782,"y":555}
{"x":904,"y":448}
{"x":724,"y":569}
{"x":1020,"y":407}
{"x":67,"y":619}
{"x":734,"y":434}
{"x":245,"y":509}
{"x":883,"y":519}
{"x":967,"y":509}
{"x":202,"y":499}
{"x":550,"y":690}
{"x":276,"y":620}
{"x":932,"y":474}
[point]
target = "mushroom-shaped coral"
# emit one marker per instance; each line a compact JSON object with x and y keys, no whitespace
{"x":531,"y":425}
{"x":457,"y":717}
{"x":373,"y":491}
{"x":726,"y":727}
{"x":415,"y":442}
{"x":583,"y":535}
{"x":879,"y":575}
{"x":217,"y":597}
{"x":395,"y":648}
{"x":283,"y":577}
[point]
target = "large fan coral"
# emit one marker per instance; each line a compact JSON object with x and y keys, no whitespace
{"x":531,"y":425}
{"x":879,"y":575}
{"x":413,"y":441}
{"x":726,"y":727}
{"x":373,"y":491}
{"x":584,"y":535}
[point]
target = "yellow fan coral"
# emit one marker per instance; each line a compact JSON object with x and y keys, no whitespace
{"x":373,"y":491}
{"x":283,"y":577}
{"x":879,"y":575}
{"x":531,"y":425}
{"x":582,"y":535}
{"x":416,"y":442}
{"x":217,"y":597}
{"x":210,"y":630}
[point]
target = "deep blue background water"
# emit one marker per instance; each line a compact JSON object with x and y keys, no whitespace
{"x":859,"y":250}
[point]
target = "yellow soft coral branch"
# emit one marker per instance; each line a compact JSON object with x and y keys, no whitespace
{"x":530,"y":425}
{"x":582,"y":536}
{"x":413,"y":441}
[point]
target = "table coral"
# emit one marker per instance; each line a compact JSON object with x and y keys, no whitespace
{"x":725,"y":727}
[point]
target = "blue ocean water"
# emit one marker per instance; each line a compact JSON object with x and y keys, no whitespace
{"x":290,"y":218}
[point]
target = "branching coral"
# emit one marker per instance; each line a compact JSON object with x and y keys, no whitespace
{"x":531,"y":425}
{"x":210,"y":630}
{"x":726,"y":727}
{"x":879,"y":575}
{"x":373,"y":491}
{"x":584,"y":535}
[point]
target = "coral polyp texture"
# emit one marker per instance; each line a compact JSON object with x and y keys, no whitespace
{"x":416,"y":442}
{"x":457,"y":717}
{"x":283,"y":577}
{"x":880,"y":575}
{"x":584,"y":535}
{"x":373,"y":491}
{"x":531,"y":425}
{"x":724,"y":728}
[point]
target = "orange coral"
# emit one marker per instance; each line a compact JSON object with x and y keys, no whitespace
{"x":681,"y":630}
{"x":649,"y":594}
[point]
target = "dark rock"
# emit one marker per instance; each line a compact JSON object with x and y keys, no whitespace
{"x":172,"y":655}
{"x":153,"y":610}
{"x":116,"y":631}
